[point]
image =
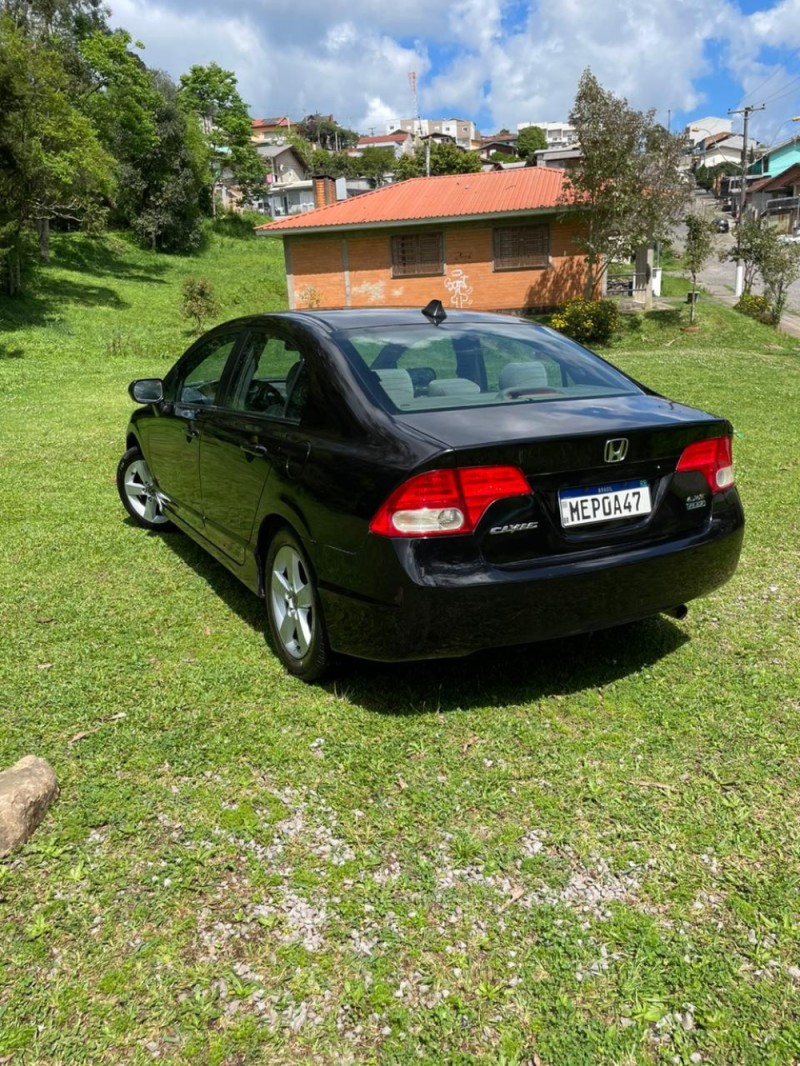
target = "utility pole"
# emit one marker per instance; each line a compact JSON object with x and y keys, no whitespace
{"x":739,"y":286}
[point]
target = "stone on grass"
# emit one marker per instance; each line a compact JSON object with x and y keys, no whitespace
{"x":26,"y":791}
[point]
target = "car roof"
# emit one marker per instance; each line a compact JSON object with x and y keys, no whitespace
{"x":340,"y":320}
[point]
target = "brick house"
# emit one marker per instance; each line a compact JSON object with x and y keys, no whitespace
{"x":489,"y":241}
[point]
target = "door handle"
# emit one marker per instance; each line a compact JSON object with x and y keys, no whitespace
{"x":295,"y":461}
{"x":253,"y":450}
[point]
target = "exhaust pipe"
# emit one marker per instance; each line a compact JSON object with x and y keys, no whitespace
{"x":678,"y":612}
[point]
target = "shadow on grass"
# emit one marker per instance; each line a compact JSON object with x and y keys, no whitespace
{"x":237,"y":597}
{"x":497,"y":677}
{"x":41,"y":306}
{"x":494,"y":678}
{"x":107,"y":256}
{"x":665,"y":319}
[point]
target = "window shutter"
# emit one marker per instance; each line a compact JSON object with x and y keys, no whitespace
{"x":517,"y":247}
{"x":417,"y":254}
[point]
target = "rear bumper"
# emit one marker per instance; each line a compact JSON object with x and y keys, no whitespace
{"x":470,"y":608}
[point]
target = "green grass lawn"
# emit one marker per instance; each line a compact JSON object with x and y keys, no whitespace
{"x":575,"y":853}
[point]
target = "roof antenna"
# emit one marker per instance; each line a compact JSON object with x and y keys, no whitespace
{"x":435,"y":312}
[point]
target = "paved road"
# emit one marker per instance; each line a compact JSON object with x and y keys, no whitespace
{"x":720,"y":278}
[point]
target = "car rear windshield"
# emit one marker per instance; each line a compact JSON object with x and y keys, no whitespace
{"x":425,"y":367}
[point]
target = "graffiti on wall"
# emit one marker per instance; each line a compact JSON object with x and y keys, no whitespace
{"x":373,"y":292}
{"x":458,"y":284}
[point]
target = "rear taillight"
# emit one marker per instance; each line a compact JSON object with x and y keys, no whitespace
{"x":713,"y":459}
{"x":446,"y":501}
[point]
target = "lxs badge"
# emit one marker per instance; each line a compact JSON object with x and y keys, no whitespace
{"x":694,"y":503}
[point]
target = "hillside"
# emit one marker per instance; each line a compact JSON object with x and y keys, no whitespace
{"x":103,"y":297}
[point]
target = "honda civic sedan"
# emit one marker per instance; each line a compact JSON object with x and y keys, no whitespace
{"x":399,"y":485}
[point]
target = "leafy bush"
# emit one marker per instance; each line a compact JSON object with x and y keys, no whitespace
{"x":587,"y":321}
{"x":199,"y":301}
{"x":757,"y":307}
{"x":238,"y":224}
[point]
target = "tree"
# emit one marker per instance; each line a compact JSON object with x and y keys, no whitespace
{"x":444,"y":159}
{"x":697,"y":250}
{"x":330,"y":164}
{"x":709,"y":177}
{"x":48,"y":19}
{"x":199,"y":301}
{"x":628,"y":189}
{"x":210,"y":94}
{"x":779,"y":267}
{"x":375,"y":164}
{"x":160,"y":193}
{"x":753,"y":239}
{"x":760,"y":248}
{"x":324,"y":132}
{"x":301,"y":146}
{"x":530,"y":139}
{"x":52,"y":164}
{"x":116,"y":92}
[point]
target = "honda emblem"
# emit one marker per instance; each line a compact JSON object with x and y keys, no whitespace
{"x":616,"y":450}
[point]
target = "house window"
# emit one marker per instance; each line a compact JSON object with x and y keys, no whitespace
{"x":417,"y":254}
{"x":517,"y":247}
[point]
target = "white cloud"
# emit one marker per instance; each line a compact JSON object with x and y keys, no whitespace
{"x":297,"y":56}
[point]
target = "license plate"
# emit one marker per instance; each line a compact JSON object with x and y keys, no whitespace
{"x":604,"y":503}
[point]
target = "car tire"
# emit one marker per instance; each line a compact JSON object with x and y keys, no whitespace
{"x":296,"y":626}
{"x":139,"y":492}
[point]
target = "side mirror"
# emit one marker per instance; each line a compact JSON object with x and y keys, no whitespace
{"x":147,"y":390}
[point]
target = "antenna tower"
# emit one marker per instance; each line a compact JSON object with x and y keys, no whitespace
{"x":412,"y":81}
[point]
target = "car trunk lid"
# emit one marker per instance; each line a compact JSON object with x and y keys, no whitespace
{"x":602,"y":476}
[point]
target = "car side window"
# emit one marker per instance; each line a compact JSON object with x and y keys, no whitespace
{"x":271,"y":379}
{"x":202,"y":378}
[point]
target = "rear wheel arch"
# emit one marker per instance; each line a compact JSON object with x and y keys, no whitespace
{"x":269,"y":527}
{"x":271,"y":524}
{"x":295,"y":619}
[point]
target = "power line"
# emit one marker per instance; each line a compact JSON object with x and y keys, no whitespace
{"x":768,"y":79}
{"x":786,"y":90}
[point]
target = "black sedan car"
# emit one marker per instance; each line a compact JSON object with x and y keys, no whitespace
{"x":405,"y":485}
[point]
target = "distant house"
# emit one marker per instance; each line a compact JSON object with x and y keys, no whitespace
{"x":778,"y":159}
{"x":706,"y":127}
{"x":400,"y":141}
{"x":462,"y":131}
{"x":557,"y":134}
{"x":270,"y":130}
{"x":501,"y":143}
{"x":721,"y":148}
{"x":559,"y":158}
{"x":778,"y":198}
{"x":487,"y":241}
{"x":289,"y":189}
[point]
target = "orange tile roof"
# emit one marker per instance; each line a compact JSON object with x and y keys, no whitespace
{"x":450,"y":197}
{"x":398,"y":136}
{"x":269,"y":123}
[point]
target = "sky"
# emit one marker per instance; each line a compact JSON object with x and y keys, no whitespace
{"x":497,"y":62}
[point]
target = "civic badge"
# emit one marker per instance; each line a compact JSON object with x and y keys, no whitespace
{"x":616,"y":450}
